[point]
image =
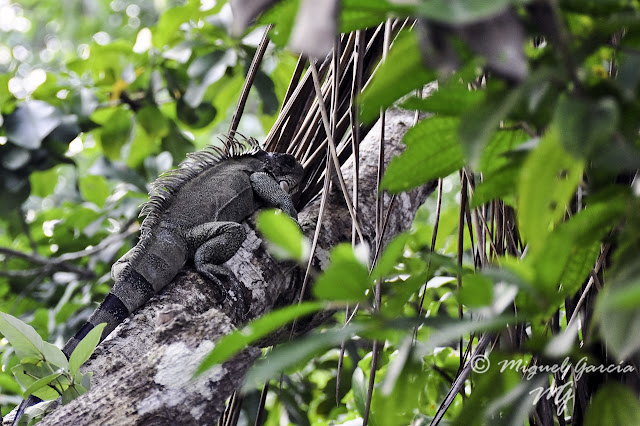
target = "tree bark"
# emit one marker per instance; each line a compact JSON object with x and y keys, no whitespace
{"x":142,"y":372}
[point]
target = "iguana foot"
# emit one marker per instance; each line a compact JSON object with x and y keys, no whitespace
{"x":233,"y":296}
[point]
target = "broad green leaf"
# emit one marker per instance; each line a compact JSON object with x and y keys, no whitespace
{"x":346,"y":278}
{"x":433,"y":151}
{"x":476,"y":291}
{"x":94,"y":188}
{"x":141,"y":147}
{"x":453,"y":100}
{"x":85,"y":348}
{"x":577,"y":268}
{"x":479,"y":124}
{"x":54,"y":355}
{"x":461,"y":11}
{"x":499,"y":184}
{"x":585,"y":126}
{"x":505,"y":147}
{"x":72,"y":392}
{"x":153,"y":121}
{"x":390,"y":256}
{"x":283,"y":15}
{"x":198,"y":117}
{"x":205,"y":71}
{"x":44,"y":182}
{"x":547,"y":182}
{"x":402,"y":71}
{"x":284,"y":235}
{"x":360,"y":14}
{"x":352,"y":19}
{"x":40,"y":383}
{"x":570,"y":250}
{"x":27,"y":374}
{"x":167,"y":30}
{"x":23,"y":338}
{"x":116,"y":132}
{"x":85,"y":379}
{"x":31,"y":122}
{"x":359,"y":386}
{"x":233,"y":343}
{"x":614,"y":404}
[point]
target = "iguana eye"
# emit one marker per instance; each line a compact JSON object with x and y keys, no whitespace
{"x":284,"y":185}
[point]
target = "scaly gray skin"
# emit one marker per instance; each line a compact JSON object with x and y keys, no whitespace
{"x":194,"y":214}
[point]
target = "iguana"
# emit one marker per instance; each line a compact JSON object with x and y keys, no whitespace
{"x":193,"y":215}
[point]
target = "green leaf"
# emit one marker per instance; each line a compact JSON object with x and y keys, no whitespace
{"x":72,"y":392}
{"x":23,"y":338}
{"x":618,"y":311}
{"x":27,"y":374}
{"x":40,"y":383}
{"x":284,"y":235}
{"x":478,"y":125}
{"x":391,"y":255}
{"x":95,"y":189}
{"x":571,"y":249}
{"x":547,"y":182}
{"x":43,"y":183}
{"x":233,"y":343}
{"x":498,"y":184}
{"x":31,"y":122}
{"x":167,"y":30}
{"x":461,"y":11}
{"x":116,"y":132}
{"x":283,"y":15}
{"x":452,"y":100}
{"x":153,"y":121}
{"x":198,"y":117}
{"x":85,"y":348}
{"x":402,"y":72}
{"x":433,"y":151}
{"x":476,"y":291}
{"x":585,"y":126}
{"x":52,"y":354}
{"x":346,"y":278}
{"x":359,"y":386}
{"x":85,"y":379}
{"x":614,"y":404}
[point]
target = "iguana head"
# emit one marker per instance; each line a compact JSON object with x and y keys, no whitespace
{"x":284,"y":168}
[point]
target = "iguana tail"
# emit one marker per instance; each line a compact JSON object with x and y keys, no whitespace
{"x":138,"y":275}
{"x":130,"y":292}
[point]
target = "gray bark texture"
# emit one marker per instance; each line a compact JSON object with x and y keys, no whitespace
{"x":143,"y":371}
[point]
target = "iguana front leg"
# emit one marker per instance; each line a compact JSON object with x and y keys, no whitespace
{"x":270,"y":192}
{"x":213,"y":244}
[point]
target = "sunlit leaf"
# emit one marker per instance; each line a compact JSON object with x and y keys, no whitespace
{"x":346,"y":278}
{"x":85,"y":348}
{"x":547,"y":182}
{"x":433,"y":151}
{"x":23,"y":338}
{"x":284,"y":235}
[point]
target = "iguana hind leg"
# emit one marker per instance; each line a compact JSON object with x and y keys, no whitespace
{"x":214,"y":243}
